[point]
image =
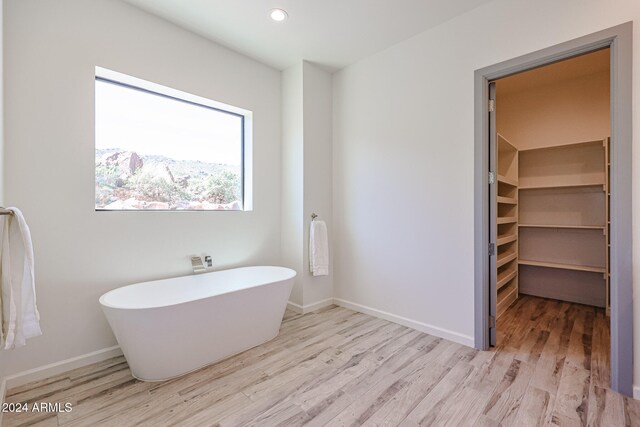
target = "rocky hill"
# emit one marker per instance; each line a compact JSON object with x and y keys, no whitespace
{"x":127,"y":180}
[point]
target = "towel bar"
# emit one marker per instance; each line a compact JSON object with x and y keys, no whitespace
{"x":4,"y":211}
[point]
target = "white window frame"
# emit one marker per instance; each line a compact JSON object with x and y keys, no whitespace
{"x":126,"y":80}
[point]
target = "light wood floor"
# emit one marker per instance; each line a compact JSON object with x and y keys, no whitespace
{"x":337,"y":367}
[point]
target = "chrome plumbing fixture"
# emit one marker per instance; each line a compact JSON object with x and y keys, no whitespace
{"x":197,"y":265}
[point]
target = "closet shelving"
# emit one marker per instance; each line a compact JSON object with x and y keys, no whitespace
{"x":505,"y":180}
{"x":563,"y":266}
{"x":585,"y":227}
{"x":563,"y":226}
{"x":507,"y":200}
{"x":507,"y":225}
{"x":562,"y":185}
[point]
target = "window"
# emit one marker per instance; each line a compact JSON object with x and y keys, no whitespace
{"x":157,"y":148}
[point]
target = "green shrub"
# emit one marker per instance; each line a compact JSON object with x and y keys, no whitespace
{"x":183,"y":182}
{"x":147,"y":185}
{"x":106,"y":175}
{"x":223,"y":187}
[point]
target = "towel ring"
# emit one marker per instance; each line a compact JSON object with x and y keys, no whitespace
{"x":313,"y":216}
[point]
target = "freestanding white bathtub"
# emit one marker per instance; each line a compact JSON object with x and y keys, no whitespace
{"x":170,"y":327}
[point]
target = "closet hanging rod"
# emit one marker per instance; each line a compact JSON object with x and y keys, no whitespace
{"x":4,"y":211}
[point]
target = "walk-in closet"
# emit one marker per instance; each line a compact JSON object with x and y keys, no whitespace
{"x":553,"y":164}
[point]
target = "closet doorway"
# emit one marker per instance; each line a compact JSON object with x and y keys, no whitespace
{"x":553,"y":194}
{"x":550,"y":148}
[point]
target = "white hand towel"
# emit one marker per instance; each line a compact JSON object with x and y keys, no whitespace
{"x":20,"y":317}
{"x":318,"y":248}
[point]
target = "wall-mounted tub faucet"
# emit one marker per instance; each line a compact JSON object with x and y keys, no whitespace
{"x":197,"y":265}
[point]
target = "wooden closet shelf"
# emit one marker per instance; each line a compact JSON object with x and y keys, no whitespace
{"x":502,"y":240}
{"x":505,"y":298}
{"x":508,"y":181}
{"x":507,"y":200}
{"x":507,"y":220}
{"x":505,"y":277}
{"x":509,"y":146}
{"x":579,"y":185}
{"x":577,"y":145}
{"x":505,"y":257}
{"x":580,"y":227}
{"x":587,"y":268}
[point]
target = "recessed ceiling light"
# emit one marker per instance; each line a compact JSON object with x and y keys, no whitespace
{"x":278,"y":15}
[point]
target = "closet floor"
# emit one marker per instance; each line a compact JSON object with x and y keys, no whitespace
{"x":338,"y":367}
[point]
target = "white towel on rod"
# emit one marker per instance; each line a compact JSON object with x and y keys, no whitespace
{"x":20,"y":317}
{"x":318,"y":248}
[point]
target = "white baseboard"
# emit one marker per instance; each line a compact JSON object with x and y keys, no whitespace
{"x":414,"y":324}
{"x":636,"y":392}
{"x":302,"y":309}
{"x":56,"y":368}
{"x":317,"y":305}
{"x":294,"y":307}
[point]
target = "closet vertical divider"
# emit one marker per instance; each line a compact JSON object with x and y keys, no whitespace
{"x":507,"y":222}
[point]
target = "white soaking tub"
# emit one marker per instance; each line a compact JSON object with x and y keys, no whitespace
{"x":170,"y":327}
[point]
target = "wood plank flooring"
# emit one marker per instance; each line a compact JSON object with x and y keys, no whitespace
{"x":336,"y":367}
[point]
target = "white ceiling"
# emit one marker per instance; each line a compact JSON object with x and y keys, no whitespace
{"x":331,"y":33}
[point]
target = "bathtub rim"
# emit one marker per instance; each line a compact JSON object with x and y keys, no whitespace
{"x":156,"y":307}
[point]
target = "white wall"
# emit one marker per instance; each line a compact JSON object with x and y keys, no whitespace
{"x":1,"y":113}
{"x":403,"y":156}
{"x":318,"y":172}
{"x":307,"y":175}
{"x":293,"y":176}
{"x":51,"y":51}
{"x":2,"y":363}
